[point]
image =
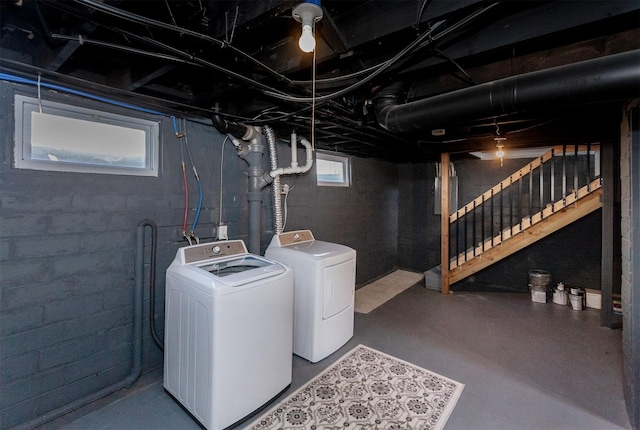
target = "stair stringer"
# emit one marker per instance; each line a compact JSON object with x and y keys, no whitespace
{"x":553,"y":222}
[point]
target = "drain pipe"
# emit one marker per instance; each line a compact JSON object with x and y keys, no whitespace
{"x":254,"y":158}
{"x":614,"y":77}
{"x":276,"y":172}
{"x":136,"y":356}
{"x":295,"y":169}
{"x":252,"y":153}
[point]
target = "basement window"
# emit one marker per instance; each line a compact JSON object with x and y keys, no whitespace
{"x":333,"y":170}
{"x":58,"y":137}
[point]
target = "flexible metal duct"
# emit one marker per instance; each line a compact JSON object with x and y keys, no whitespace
{"x":614,"y":77}
{"x":275,"y":186}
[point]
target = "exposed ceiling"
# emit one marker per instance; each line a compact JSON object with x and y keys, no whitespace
{"x":240,"y":59}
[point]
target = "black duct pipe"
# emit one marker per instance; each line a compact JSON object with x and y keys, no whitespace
{"x":614,"y":77}
{"x":229,"y":127}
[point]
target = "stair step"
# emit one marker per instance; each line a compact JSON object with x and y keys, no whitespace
{"x":459,"y":270}
{"x":525,"y":223}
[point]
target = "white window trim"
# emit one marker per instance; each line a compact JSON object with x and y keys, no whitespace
{"x":346,"y":169}
{"x":25,"y":105}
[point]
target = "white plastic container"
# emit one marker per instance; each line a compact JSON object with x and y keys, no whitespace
{"x":560,"y":295}
{"x":538,"y":295}
{"x":576,"y":301}
{"x":594,"y":298}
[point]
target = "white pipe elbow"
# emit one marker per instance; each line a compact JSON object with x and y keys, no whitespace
{"x":296,"y":169}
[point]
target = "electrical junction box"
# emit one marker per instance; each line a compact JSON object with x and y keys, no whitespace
{"x":222,"y":232}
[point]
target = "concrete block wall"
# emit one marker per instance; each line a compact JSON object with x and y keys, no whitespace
{"x":67,"y":250}
{"x":363,"y":216}
{"x":67,"y":263}
{"x":630,"y":283}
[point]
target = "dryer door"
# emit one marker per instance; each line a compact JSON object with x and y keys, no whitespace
{"x":339,"y":287}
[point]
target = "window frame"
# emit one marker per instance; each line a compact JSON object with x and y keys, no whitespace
{"x":345,"y":161}
{"x":24,"y":105}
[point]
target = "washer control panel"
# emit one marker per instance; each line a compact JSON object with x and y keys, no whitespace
{"x":207,"y":251}
{"x":294,"y":237}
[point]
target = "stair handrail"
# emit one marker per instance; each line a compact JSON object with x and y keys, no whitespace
{"x":546,"y":199}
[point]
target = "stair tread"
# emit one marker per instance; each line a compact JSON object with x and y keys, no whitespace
{"x":525,"y":223}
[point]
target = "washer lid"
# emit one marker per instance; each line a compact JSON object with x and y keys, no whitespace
{"x":236,"y":271}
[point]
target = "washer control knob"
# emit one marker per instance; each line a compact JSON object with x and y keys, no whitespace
{"x":216,"y":249}
{"x":296,"y":236}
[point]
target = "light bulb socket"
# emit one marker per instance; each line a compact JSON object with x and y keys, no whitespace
{"x":307,"y":13}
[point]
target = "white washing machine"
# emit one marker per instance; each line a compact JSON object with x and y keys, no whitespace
{"x":228,"y":331}
{"x":324,"y":283}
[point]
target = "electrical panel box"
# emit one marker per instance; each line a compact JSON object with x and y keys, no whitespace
{"x":453,"y":195}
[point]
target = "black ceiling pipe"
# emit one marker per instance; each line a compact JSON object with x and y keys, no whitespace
{"x":229,"y":127}
{"x":614,"y":77}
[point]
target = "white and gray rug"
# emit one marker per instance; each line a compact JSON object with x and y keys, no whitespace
{"x":366,"y":389}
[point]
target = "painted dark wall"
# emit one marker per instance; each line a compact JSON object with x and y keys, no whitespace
{"x":418,"y":227}
{"x":363,"y":216}
{"x":630,"y":226}
{"x":572,"y":255}
{"x":67,"y":248}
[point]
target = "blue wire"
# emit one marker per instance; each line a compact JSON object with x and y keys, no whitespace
{"x":195,"y":221}
{"x":20,"y":80}
{"x":175,"y":125}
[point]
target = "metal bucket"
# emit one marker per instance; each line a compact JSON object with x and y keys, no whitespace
{"x":577,"y":301}
{"x":539,"y":278}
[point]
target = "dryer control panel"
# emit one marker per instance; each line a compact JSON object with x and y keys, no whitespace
{"x":207,"y":251}
{"x":294,"y":237}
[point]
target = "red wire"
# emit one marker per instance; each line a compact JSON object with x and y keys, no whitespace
{"x":186,"y":199}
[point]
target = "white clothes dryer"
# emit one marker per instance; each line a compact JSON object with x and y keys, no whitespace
{"x":228,"y":331}
{"x":324,"y":283}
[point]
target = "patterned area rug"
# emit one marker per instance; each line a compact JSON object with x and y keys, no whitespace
{"x":367,"y":389}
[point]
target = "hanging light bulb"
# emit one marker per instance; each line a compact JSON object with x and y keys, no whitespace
{"x":307,"y":42}
{"x":307,"y":13}
{"x":499,"y":144}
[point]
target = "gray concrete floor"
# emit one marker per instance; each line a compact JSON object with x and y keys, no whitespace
{"x":525,"y":365}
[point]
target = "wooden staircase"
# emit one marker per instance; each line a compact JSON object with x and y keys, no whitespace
{"x":532,"y":204}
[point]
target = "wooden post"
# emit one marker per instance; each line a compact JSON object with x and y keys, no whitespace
{"x":444,"y":223}
{"x":611,"y":271}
